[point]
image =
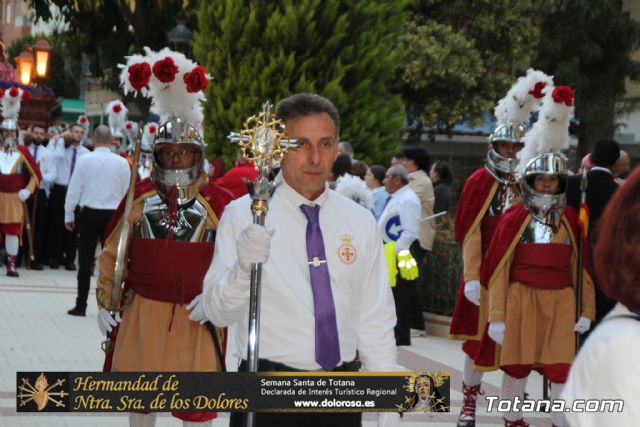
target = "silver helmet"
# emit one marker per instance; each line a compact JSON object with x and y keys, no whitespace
{"x":177,"y":131}
{"x":9,"y":125}
{"x":546,"y":208}
{"x":504,"y":168}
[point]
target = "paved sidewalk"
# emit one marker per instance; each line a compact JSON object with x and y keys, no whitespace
{"x":38,"y":335}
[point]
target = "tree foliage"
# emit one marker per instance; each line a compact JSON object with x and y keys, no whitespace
{"x":461,"y":56}
{"x":267,"y":50}
{"x":107,"y":30}
{"x":588,"y":45}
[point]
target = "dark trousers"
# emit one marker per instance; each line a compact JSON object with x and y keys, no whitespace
{"x":91,"y":224}
{"x":317,"y":419}
{"x":40,"y":229}
{"x":421,"y":255}
{"x":405,"y":297}
{"x":62,"y":243}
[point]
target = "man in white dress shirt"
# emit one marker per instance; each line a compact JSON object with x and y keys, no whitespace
{"x":99,"y":182}
{"x":400,"y":222}
{"x":44,"y":159}
{"x":67,"y":151}
{"x":359,"y":311}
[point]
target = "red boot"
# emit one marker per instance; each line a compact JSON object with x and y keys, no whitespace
{"x":467,"y":416}
{"x":11,"y":266}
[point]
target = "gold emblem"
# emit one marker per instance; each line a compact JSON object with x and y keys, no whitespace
{"x":316,"y":262}
{"x":346,"y":251}
{"x":41,"y":392}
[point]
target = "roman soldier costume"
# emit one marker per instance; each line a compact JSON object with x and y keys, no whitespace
{"x":486,"y":195}
{"x":173,"y":221}
{"x":19,"y":177}
{"x":531,"y":269}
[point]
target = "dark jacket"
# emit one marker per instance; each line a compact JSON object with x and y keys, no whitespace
{"x":442,"y":192}
{"x":600,"y":188}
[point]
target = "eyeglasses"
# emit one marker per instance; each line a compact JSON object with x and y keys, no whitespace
{"x":182,"y":153}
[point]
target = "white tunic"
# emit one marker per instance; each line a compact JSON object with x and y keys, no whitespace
{"x":365,"y":310}
{"x":607,"y":368}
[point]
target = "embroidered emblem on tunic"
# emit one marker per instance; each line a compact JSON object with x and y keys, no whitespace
{"x":346,"y":251}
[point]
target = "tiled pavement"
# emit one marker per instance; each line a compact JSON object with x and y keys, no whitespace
{"x":36,"y":334}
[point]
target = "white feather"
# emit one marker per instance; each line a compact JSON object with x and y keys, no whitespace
{"x":116,"y":120}
{"x":11,"y":104}
{"x":550,"y":133}
{"x":517,"y":105}
{"x":355,"y":189}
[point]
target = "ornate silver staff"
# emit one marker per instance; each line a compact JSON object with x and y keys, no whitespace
{"x":263,"y":142}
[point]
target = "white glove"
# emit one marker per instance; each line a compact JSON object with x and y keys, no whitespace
{"x":582,"y":325}
{"x":496,"y":332}
{"x":253,"y":246}
{"x":196,"y":308}
{"x":106,"y":322}
{"x":24,"y":194}
{"x":472,"y":291}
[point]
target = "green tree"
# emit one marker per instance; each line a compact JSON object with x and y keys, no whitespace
{"x":588,"y":45}
{"x":260,"y":50}
{"x":460,"y":58}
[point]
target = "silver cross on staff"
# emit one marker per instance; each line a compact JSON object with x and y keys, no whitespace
{"x":264,"y":142}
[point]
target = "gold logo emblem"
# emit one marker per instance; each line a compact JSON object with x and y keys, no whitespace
{"x":346,"y":251}
{"x":41,"y":392}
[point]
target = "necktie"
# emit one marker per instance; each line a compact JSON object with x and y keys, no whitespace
{"x":73,"y":161}
{"x":386,"y":202}
{"x":35,"y":152}
{"x":327,"y":343}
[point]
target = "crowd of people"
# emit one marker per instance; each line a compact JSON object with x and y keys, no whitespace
{"x":348,"y":273}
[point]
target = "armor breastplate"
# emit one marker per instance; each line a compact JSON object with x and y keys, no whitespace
{"x":10,"y":162}
{"x":503,"y":199}
{"x":191,"y":225}
{"x":539,"y":232}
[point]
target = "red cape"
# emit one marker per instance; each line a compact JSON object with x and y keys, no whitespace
{"x":506,"y":237}
{"x":478,"y":191}
{"x":31,"y":162}
{"x":232,"y":180}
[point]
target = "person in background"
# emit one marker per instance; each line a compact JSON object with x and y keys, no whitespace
{"x":359,"y":169}
{"x":340,"y":167}
{"x":417,"y":162}
{"x":600,"y":188}
{"x":399,"y":223}
{"x":67,"y":151}
{"x":621,"y":167}
{"x":44,"y":158}
{"x":99,"y":182}
{"x":345,"y":147}
{"x":607,"y":364}
{"x":374,"y":178}
{"x":441,"y":178}
{"x":397,"y":158}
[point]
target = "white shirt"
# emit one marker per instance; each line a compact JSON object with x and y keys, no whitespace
{"x":100,"y":181}
{"x":365,"y":311}
{"x":400,"y":219}
{"x":64,"y":157}
{"x":607,"y":368}
{"x":44,"y":158}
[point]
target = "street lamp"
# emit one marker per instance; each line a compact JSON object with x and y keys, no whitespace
{"x":28,"y":66}
{"x":179,"y":35}
{"x":42,"y":50}
{"x":24,"y":63}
